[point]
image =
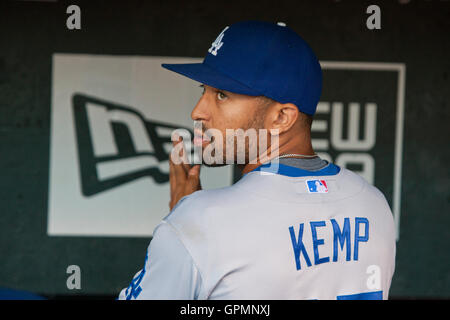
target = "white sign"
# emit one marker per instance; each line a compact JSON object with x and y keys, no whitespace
{"x":111,"y":120}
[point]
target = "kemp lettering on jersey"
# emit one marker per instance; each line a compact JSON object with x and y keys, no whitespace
{"x":341,"y":237}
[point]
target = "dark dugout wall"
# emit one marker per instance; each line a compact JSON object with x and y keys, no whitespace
{"x":413,"y":33}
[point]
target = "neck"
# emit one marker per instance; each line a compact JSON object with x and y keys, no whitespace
{"x":292,"y":146}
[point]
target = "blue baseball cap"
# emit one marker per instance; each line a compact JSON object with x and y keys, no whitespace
{"x":260,"y":59}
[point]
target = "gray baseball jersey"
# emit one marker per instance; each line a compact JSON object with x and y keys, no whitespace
{"x":278,"y":233}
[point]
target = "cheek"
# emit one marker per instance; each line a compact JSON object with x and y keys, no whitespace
{"x":231,"y":116}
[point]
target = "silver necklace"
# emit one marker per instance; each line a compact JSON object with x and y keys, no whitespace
{"x":291,"y":155}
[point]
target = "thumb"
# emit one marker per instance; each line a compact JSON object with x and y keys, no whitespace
{"x":194,"y":171}
{"x":194,"y":176}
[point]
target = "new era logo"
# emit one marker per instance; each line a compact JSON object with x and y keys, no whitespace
{"x":116,"y":144}
{"x":317,"y":186}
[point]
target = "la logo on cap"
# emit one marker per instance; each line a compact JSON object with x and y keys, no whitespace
{"x":217,"y":44}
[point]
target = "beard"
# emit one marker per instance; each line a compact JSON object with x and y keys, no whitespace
{"x":234,"y":148}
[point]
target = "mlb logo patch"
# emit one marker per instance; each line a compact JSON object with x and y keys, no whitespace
{"x":317,"y":186}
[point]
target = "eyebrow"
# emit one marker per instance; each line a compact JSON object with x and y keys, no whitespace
{"x":216,"y":89}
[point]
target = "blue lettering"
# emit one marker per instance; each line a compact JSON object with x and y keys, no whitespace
{"x":134,"y":289}
{"x":317,"y":242}
{"x":298,"y":246}
{"x":343,"y":237}
{"x":359,"y":238}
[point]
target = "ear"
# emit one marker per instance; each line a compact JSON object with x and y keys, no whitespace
{"x":283,"y":116}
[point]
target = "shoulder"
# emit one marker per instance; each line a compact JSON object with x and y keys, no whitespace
{"x":369,"y":196}
{"x":353,"y":178}
{"x":201,"y":213}
{"x":355,"y":183}
{"x":202,"y":221}
{"x":198,"y":202}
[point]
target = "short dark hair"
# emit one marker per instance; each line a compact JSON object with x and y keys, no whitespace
{"x":307,"y":119}
{"x":265,"y":101}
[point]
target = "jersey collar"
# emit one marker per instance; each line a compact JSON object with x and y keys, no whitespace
{"x":285,"y":170}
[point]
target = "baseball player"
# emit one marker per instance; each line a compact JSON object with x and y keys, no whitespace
{"x":294,"y":226}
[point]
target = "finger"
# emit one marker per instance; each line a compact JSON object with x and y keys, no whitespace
{"x":185,"y":163}
{"x":179,"y":173}
{"x":172,"y":177}
{"x":182,"y":154}
{"x":193,"y":179}
{"x":175,"y":138}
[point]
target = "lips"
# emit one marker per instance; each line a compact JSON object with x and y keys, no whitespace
{"x":199,"y":138}
{"x":198,"y":141}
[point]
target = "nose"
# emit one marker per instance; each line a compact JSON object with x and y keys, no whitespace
{"x":200,"y":111}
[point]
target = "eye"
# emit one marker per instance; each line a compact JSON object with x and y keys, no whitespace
{"x":221,"y":95}
{"x":203,"y":88}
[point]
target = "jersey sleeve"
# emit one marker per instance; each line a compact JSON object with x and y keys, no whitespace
{"x":169,"y":271}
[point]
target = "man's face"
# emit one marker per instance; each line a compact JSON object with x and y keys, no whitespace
{"x":221,"y":110}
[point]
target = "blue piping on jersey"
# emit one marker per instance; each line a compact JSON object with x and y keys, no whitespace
{"x":330,"y":170}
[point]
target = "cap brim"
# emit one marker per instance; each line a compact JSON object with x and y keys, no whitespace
{"x":207,"y":75}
